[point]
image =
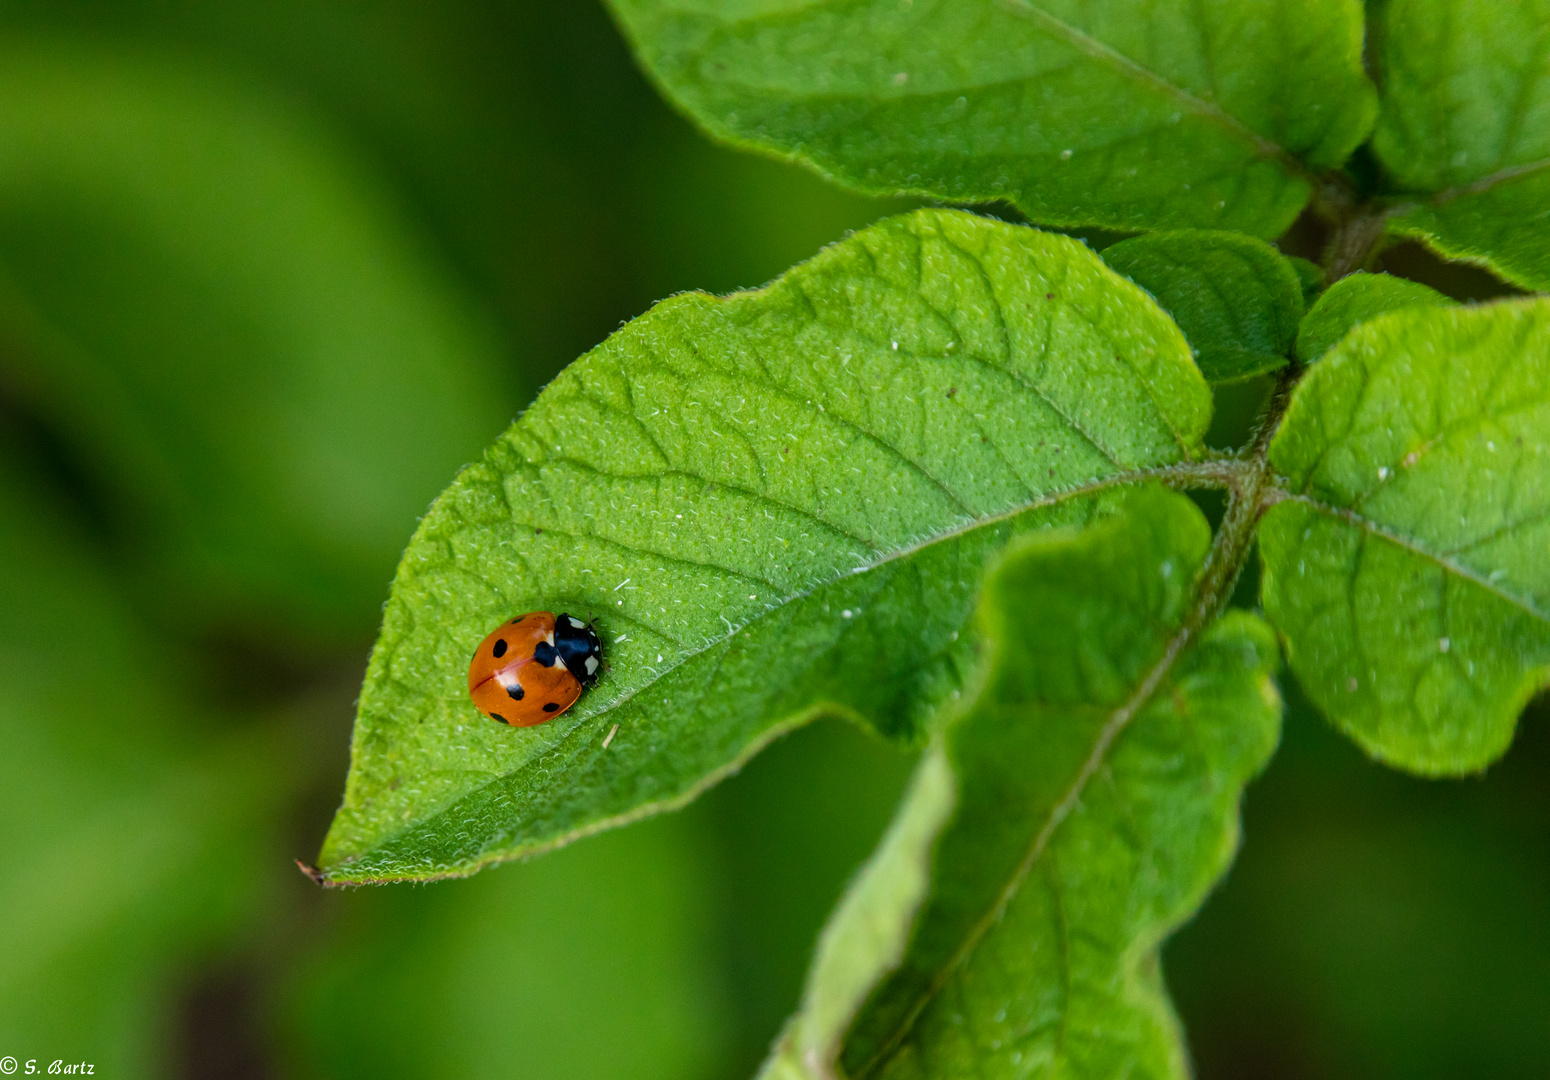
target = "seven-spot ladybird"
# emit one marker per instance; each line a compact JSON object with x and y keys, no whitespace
{"x":533,"y":668}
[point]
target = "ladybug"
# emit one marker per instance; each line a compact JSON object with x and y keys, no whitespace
{"x":533,"y":668}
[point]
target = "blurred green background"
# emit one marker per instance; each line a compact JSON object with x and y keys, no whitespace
{"x":269,"y":273}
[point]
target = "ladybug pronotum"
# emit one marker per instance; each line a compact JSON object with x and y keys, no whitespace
{"x":533,"y":668}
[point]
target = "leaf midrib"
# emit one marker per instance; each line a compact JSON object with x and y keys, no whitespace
{"x":1119,"y":719}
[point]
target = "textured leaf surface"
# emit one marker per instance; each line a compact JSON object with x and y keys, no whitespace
{"x":1112,"y":113}
{"x":1236,"y":299}
{"x":776,"y":504}
{"x":1098,"y":770}
{"x":1355,"y":299}
{"x":1408,"y":569}
{"x":258,"y":364}
{"x":1466,"y":120}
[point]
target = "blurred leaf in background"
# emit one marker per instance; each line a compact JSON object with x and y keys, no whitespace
{"x":136,"y":828}
{"x":305,"y":262}
{"x":674,"y":948}
{"x":594,"y":963}
{"x":233,"y":329}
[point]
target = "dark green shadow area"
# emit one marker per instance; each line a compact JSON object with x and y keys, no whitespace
{"x":1377,"y":926}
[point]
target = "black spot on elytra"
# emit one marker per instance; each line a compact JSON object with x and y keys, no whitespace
{"x":515,"y":691}
{"x":553,"y":705}
{"x":546,"y":654}
{"x":498,"y":716}
{"x":500,"y":648}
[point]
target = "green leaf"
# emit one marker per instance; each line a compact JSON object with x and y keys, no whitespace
{"x":1355,"y":299}
{"x":1098,"y":771}
{"x":235,"y":330}
{"x":1310,"y":275}
{"x":1109,"y":113}
{"x":1466,"y":122}
{"x":777,"y":504}
{"x":1406,"y":566}
{"x":1236,"y":299}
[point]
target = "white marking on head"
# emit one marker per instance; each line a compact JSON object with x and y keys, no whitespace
{"x":591,"y":664}
{"x":577,"y":623}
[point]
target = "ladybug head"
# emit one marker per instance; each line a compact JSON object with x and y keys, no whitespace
{"x":579,"y":647}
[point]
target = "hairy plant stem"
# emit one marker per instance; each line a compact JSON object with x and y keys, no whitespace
{"x":1357,"y":232}
{"x":1352,"y":243}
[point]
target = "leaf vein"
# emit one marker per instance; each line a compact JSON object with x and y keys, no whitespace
{"x":1411,"y":544}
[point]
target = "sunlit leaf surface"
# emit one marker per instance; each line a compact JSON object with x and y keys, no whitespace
{"x":775,"y":504}
{"x":1407,"y":567}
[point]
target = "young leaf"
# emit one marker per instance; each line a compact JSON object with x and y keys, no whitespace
{"x":775,"y":504}
{"x":1098,"y":770}
{"x":1406,"y":566}
{"x":1236,"y":299}
{"x":1310,"y":275}
{"x":1110,"y":113}
{"x":1466,"y":120}
{"x":1355,"y":299}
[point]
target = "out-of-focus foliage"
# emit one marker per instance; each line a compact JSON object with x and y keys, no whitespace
{"x":672,"y":949}
{"x":228,"y":233}
{"x":1375,"y":926}
{"x":132,"y":832}
{"x":231,"y":322}
{"x":596,"y":963}
{"x":499,"y":179}
{"x":1465,"y":129}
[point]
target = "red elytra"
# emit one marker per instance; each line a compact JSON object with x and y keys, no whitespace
{"x":508,"y":682}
